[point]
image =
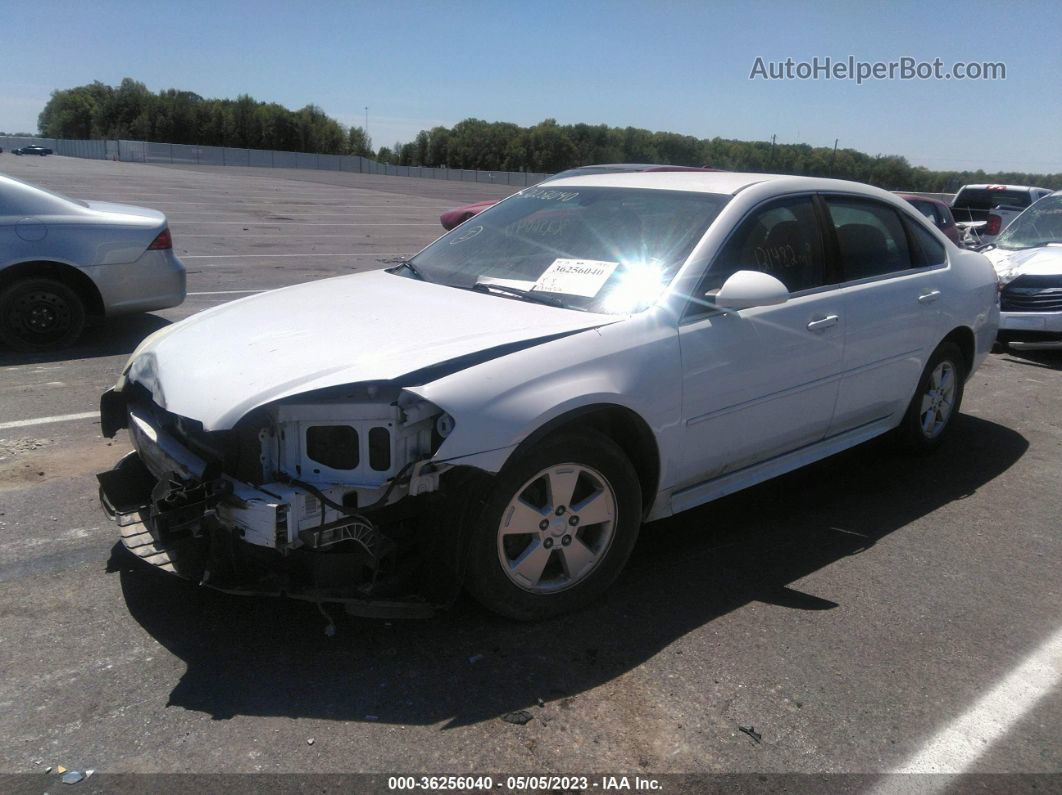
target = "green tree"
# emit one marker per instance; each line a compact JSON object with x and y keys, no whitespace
{"x":358,"y":143}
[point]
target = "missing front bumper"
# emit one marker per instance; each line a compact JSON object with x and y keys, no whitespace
{"x":179,"y":531}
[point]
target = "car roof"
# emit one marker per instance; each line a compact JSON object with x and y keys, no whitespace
{"x":643,"y":167}
{"x":916,"y":197}
{"x":1000,"y":186}
{"x":719,"y":182}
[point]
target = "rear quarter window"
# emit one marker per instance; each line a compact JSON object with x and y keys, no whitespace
{"x":928,"y":250}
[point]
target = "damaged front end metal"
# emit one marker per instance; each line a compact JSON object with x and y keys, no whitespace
{"x":331,"y":496}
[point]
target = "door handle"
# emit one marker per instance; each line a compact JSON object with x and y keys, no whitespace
{"x":823,"y":323}
{"x":929,"y":297}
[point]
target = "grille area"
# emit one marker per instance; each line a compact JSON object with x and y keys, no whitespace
{"x":1033,"y":294}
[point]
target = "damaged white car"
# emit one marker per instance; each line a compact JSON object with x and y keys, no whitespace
{"x":504,"y":410}
{"x":1028,"y":258}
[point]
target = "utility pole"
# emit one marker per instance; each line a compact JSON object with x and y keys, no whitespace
{"x":366,"y":121}
{"x":833,"y":157}
{"x":770,"y":161}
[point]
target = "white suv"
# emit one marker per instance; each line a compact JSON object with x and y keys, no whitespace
{"x":505,"y":409}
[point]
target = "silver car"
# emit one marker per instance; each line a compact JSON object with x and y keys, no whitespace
{"x":64,"y":261}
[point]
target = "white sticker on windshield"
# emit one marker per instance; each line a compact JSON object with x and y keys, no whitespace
{"x":584,"y":277}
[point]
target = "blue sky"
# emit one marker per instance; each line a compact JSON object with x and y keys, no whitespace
{"x":679,"y":66}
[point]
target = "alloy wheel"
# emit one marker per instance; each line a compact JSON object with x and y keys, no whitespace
{"x":938,"y":401}
{"x":557,"y":528}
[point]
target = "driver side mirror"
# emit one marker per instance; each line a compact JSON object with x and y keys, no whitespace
{"x":745,"y":289}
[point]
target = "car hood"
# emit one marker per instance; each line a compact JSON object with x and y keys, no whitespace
{"x":1041,"y":261}
{"x":219,"y":364}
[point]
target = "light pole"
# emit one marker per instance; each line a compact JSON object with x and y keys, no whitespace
{"x":366,"y":121}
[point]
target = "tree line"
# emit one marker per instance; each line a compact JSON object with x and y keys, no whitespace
{"x":131,"y":111}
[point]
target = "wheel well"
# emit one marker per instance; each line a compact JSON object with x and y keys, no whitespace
{"x":67,"y":274}
{"x":622,"y":426}
{"x":964,"y":338}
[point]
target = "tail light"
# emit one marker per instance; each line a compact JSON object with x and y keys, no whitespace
{"x":162,"y":241}
{"x":993,"y":225}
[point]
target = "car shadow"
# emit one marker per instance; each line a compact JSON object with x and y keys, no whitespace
{"x":1047,"y":359}
{"x":114,"y":337}
{"x":250,"y":656}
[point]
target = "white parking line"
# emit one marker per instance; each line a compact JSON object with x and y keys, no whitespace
{"x":956,"y":747}
{"x":32,"y":386}
{"x":288,"y":223}
{"x":242,"y":205}
{"x":257,"y":256}
{"x":252,"y":235}
{"x":228,"y":292}
{"x":48,"y":420}
{"x":308,"y":200}
{"x":288,"y":214}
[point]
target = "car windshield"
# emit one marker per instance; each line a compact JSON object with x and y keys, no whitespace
{"x":596,"y":249}
{"x":1039,"y":225}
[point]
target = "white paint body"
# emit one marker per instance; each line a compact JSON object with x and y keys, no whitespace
{"x":730,"y":398}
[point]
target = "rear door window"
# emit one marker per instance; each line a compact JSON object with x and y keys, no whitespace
{"x":871,"y":240}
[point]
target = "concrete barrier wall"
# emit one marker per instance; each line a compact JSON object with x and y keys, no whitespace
{"x":154,"y":152}
{"x":151,"y":152}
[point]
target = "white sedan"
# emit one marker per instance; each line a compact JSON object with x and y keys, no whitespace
{"x":505,"y":409}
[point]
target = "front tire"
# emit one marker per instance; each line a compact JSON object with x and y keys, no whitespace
{"x":557,"y":527}
{"x":39,"y":315}
{"x":932,"y":411}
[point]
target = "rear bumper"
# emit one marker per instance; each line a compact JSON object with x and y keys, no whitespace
{"x":157,"y":280}
{"x":1034,"y":324}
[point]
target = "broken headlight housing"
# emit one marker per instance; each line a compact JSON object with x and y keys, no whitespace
{"x":362,"y":437}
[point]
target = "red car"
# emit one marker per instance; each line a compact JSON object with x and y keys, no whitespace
{"x":459,"y":215}
{"x":937,"y":212}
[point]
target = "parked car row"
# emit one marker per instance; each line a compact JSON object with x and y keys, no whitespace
{"x":522,"y":394}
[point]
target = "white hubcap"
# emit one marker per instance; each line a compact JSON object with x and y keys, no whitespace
{"x":938,"y":399}
{"x":557,"y":528}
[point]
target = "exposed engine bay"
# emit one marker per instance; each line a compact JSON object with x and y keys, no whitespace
{"x":319,"y":497}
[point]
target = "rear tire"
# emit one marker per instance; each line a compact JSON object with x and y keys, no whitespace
{"x":932,"y":411}
{"x":40,"y":315}
{"x":557,"y":560}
